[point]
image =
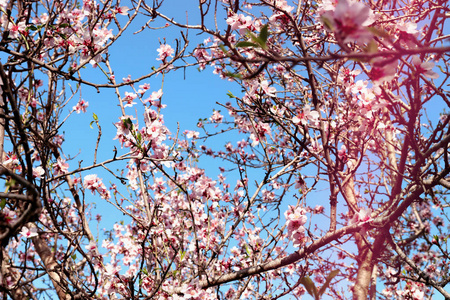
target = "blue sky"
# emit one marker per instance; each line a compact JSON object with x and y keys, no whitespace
{"x":189,"y":96}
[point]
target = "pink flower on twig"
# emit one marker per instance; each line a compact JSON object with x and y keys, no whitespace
{"x":81,"y":106}
{"x":165,"y":51}
{"x":424,"y":68}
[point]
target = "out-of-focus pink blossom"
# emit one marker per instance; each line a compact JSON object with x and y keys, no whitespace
{"x":349,"y":21}
{"x":424,"y":68}
{"x":38,"y":172}
{"x":383,"y":72}
{"x":29,"y":232}
{"x":363,"y":215}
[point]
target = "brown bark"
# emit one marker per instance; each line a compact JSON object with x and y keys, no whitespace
{"x":366,"y":258}
{"x":51,"y":266}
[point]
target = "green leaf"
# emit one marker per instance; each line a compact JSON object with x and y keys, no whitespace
{"x":327,"y":23}
{"x":372,"y":47}
{"x":95,"y":116}
{"x":264,"y":33}
{"x":90,"y":124}
{"x":222,"y":47}
{"x":258,"y":40}
{"x":232,"y":75}
{"x":10,"y":183}
{"x":127,"y":123}
{"x":182,"y":255}
{"x":74,"y":256}
{"x":327,"y":282}
{"x":64,"y":25}
{"x":3,"y":203}
{"x":246,"y":44}
{"x":32,"y":27}
{"x":229,"y":94}
{"x":378,"y":32}
{"x":247,"y":249}
{"x":309,"y":285}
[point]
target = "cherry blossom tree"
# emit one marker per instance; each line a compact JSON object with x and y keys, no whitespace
{"x":333,"y":157}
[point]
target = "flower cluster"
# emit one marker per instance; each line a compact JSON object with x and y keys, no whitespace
{"x":93,"y":183}
{"x":295,"y":219}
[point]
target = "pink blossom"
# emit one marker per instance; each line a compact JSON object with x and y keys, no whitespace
{"x":407,"y":27}
{"x":381,"y":72}
{"x":206,"y":187}
{"x":202,"y":56}
{"x":156,"y":130}
{"x":216,"y":117}
{"x":318,"y":209}
{"x":29,"y":232}
{"x":7,"y":215}
{"x":128,"y":99}
{"x":123,"y":129}
{"x":38,"y":172}
{"x":122,"y":10}
{"x":295,"y":219}
{"x":101,"y":35}
{"x":10,"y":161}
{"x":93,"y":183}
{"x":259,"y":133}
{"x":359,"y":86}
{"x":165,"y":51}
{"x":363,"y":215}
{"x":424,"y":68}
{"x":348,"y":76}
{"x":58,"y":139}
{"x":154,"y":97}
{"x":91,"y":246}
{"x":279,"y":14}
{"x":268,"y":90}
{"x":60,"y":167}
{"x":241,"y":22}
{"x":126,"y":79}
{"x":111,"y":270}
{"x":192,"y":134}
{"x":16,"y":29}
{"x":81,"y":106}
{"x":306,"y":115}
{"x":349,"y":21}
{"x":41,"y":20}
{"x":143,"y":88}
